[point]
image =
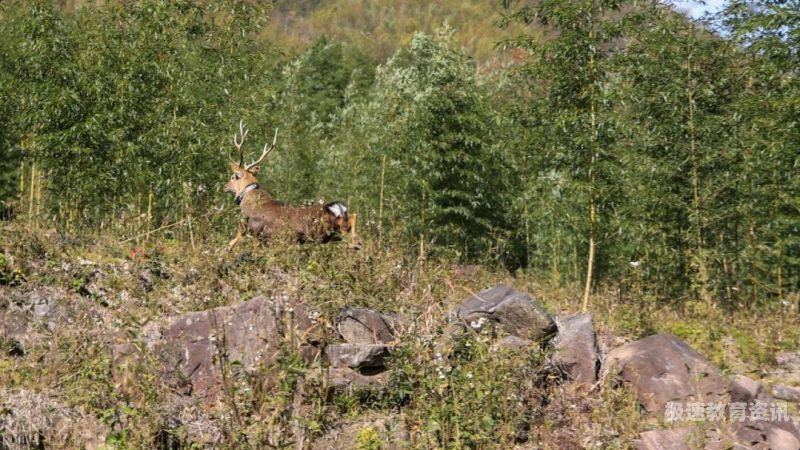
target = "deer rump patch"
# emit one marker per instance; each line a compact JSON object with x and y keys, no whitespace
{"x":338,"y":216}
{"x":337,"y":209}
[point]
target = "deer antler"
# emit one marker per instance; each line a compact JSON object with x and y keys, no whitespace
{"x":264,"y":152}
{"x":238,"y":141}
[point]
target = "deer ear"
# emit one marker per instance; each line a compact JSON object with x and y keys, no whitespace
{"x":254,"y":170}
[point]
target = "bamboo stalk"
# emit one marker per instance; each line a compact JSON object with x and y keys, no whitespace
{"x":174,"y":224}
{"x":38,"y":197}
{"x":780,"y":271}
{"x":21,"y":182}
{"x":191,"y":232}
{"x":32,"y":192}
{"x":592,"y":203}
{"x":149,"y":217}
{"x":138,"y":214}
{"x":380,"y":204}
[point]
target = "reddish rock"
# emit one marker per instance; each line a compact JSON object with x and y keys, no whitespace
{"x":193,"y":346}
{"x":662,"y":368}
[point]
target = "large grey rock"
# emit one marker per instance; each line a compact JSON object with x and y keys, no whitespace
{"x":517,"y":313}
{"x":346,"y":380}
{"x":576,"y":348}
{"x":363,"y":326}
{"x":356,"y":356}
{"x":670,"y":439}
{"x":662,"y":368}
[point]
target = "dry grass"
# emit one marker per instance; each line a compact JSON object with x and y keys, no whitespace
{"x":98,"y":291}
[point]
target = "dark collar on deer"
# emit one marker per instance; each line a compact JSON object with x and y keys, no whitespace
{"x":250,"y":187}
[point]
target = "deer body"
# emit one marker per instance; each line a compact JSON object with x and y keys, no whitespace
{"x":267,"y":218}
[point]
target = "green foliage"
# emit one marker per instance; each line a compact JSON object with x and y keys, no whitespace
{"x":425,"y":127}
{"x":315,"y":86}
{"x":669,"y":146}
{"x":9,"y":275}
{"x":119,"y":102}
{"x":474,"y":396}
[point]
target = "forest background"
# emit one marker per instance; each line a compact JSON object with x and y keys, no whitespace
{"x":590,"y":141}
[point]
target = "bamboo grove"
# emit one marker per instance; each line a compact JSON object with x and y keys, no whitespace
{"x":613,"y":142}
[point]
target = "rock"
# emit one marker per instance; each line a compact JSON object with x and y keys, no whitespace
{"x":671,"y":439}
{"x":356,"y":356}
{"x":576,"y":348}
{"x":744,"y":389}
{"x":788,"y":393}
{"x":759,"y":435}
{"x":780,"y":439}
{"x":662,"y":368}
{"x":29,"y":315}
{"x":516,"y":312}
{"x":511,"y":344}
{"x":787,"y":368}
{"x":347,"y":379}
{"x":191,"y":348}
{"x":363,"y":326}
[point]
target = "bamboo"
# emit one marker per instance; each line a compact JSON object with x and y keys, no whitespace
{"x":592,"y":179}
{"x":380,"y":204}
{"x":697,"y":221}
{"x":138,"y":214}
{"x":149,"y":217}
{"x":21,"y":182}
{"x":191,"y":232}
{"x":38,"y":197}
{"x":32,"y":192}
{"x":780,"y":271}
{"x":174,"y":224}
{"x":527,"y":236}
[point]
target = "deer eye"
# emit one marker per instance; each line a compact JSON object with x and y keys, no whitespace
{"x":235,"y":176}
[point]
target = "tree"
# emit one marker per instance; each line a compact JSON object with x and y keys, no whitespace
{"x":768,"y":137}
{"x":570,"y":108}
{"x":312,"y":95}
{"x":123,"y":102}
{"x":425,"y":129}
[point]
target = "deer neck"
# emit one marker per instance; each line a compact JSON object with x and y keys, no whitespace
{"x":250,"y":187}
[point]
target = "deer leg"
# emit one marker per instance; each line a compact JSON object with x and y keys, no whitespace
{"x":354,"y":242}
{"x":352,"y":224}
{"x":239,"y":235}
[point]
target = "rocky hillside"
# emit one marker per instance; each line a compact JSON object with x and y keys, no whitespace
{"x":159,"y":345}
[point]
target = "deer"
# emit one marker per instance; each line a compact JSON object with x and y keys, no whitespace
{"x":265,"y":217}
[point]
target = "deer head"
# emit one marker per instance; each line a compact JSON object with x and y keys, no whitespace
{"x":243,"y":175}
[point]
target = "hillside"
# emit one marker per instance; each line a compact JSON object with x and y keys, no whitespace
{"x":380,"y":28}
{"x":89,"y":326}
{"x":341,"y":224}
